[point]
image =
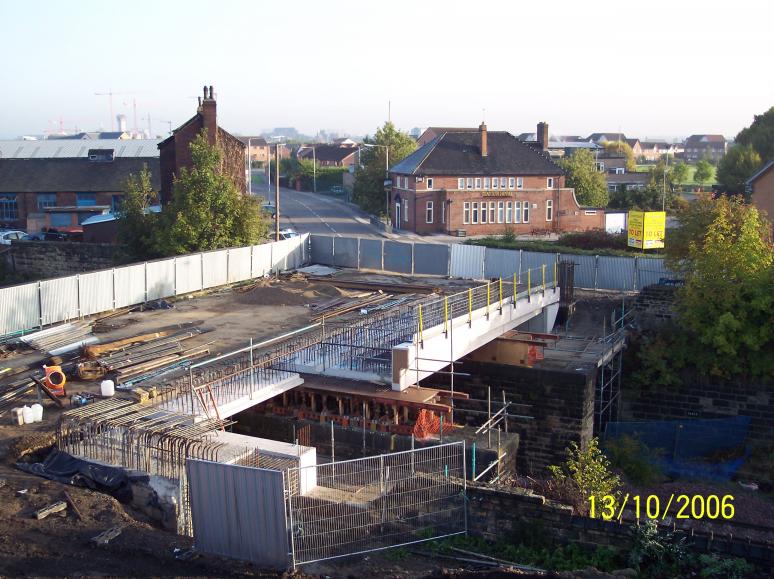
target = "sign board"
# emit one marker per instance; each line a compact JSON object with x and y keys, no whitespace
{"x":646,"y":229}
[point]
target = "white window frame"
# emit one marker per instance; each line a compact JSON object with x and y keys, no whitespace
{"x":511,"y":182}
{"x":487,"y":182}
{"x":525,"y":212}
{"x":483,"y":217}
{"x":443,"y":212}
{"x":501,"y":212}
{"x":470,"y":182}
{"x":478,"y":183}
{"x":474,"y":213}
{"x":429,"y":182}
{"x":466,"y":213}
{"x":503,"y":182}
{"x":549,"y":209}
{"x":405,"y":211}
{"x":492,"y":211}
{"x":495,"y":180}
{"x":550,"y":183}
{"x":519,"y":182}
{"x":460,"y":182}
{"x":509,"y":212}
{"x":517,"y":211}
{"x":429,"y":212}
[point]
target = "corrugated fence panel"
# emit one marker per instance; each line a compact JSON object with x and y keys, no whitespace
{"x":615,"y":273}
{"x":371,"y":254}
{"x":322,"y":249}
{"x":188,"y":273}
{"x":431,"y":258}
{"x":279,"y":254}
{"x":467,"y":261}
{"x":130,"y":285}
{"x":95,"y":292}
{"x":261,"y":260}
{"x":651,"y":270}
{"x":160,"y":279}
{"x":19,"y":308}
{"x":296,"y":253}
{"x":535,"y":260}
{"x":59,"y":299}
{"x":397,"y":256}
{"x":215,"y":268}
{"x":239,"y":264}
{"x":238,"y":512}
{"x":345,"y":252}
{"x":501,"y":263}
{"x":583,"y":274}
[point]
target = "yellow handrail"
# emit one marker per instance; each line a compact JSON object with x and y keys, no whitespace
{"x":420,"y":323}
{"x":529,"y":285}
{"x":501,"y":294}
{"x":445,"y":313}
{"x":488,"y":286}
{"x":544,"y":277}
{"x":470,"y":306}
{"x":554,"y":274}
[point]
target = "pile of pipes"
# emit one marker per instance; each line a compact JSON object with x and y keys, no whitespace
{"x":363,"y":303}
{"x":61,"y":339}
{"x":138,"y":358}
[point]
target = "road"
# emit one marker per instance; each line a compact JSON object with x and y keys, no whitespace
{"x":317,"y":213}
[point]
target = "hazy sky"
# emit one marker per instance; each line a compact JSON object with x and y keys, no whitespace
{"x":647,"y":68}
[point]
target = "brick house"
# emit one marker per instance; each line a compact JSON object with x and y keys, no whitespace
{"x":710,"y":147}
{"x":483,"y":183}
{"x":761,"y":189}
{"x":329,"y":155}
{"x":174,"y":152}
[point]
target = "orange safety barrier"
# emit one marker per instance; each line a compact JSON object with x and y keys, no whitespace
{"x":55,"y":379}
{"x":428,"y":425}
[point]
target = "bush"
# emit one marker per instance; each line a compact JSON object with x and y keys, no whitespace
{"x":594,"y":239}
{"x":637,"y":462}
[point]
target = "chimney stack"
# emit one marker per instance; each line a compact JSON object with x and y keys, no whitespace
{"x":209,"y":116}
{"x":542,"y":135}
{"x":484,"y":145}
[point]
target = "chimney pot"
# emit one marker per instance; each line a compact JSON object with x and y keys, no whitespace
{"x":484,"y":144}
{"x":211,"y":97}
{"x":542,"y":135}
{"x":205,"y":92}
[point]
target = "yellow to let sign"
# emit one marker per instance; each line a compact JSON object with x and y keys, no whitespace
{"x":646,"y":229}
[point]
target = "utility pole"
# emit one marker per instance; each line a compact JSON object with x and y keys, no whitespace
{"x":314,"y":170}
{"x":276,"y":197}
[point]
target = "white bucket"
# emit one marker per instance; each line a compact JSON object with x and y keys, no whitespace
{"x":37,"y":413}
{"x":28,"y":415}
{"x":107,"y":387}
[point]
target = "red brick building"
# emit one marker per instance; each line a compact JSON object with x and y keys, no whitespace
{"x":485,"y":182}
{"x":174,"y":152}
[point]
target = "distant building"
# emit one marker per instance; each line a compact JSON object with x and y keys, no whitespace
{"x":329,"y":155}
{"x":600,"y":138}
{"x":636,"y":147}
{"x":709,"y":147}
{"x":652,"y":151}
{"x":618,"y":181}
{"x":761,"y":189}
{"x":93,"y":136}
{"x":174,"y":152}
{"x":483,"y":182}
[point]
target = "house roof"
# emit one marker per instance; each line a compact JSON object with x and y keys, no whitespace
{"x":76,"y":175}
{"x":254,"y":141}
{"x":327,"y":153}
{"x":714,"y":141}
{"x":760,"y":172}
{"x":62,"y":148}
{"x":596,"y":137}
{"x":632,"y":142}
{"x":655,"y":145}
{"x":459,"y":153}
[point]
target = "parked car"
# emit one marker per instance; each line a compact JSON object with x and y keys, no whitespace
{"x":9,"y":235}
{"x":270,"y":208}
{"x":288,"y":233}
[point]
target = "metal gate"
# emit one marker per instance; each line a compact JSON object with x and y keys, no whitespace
{"x":368,"y":504}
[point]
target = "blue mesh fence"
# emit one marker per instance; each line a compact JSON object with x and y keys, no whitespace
{"x":704,"y":448}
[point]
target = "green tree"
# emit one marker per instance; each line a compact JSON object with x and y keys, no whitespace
{"x":760,"y":134}
{"x":369,"y":179}
{"x":704,"y":172}
{"x":207,"y":210}
{"x":680,"y":173}
{"x":695,"y":219}
{"x":727,"y":304}
{"x":736,"y":166}
{"x":136,"y":223}
{"x":622,"y":149}
{"x":582,"y":174}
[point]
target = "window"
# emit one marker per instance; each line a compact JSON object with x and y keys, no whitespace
{"x":502,"y":182}
{"x":46,"y":200}
{"x":470,"y":182}
{"x":443,"y":212}
{"x":429,"y":212}
{"x":588,"y":212}
{"x":550,"y":210}
{"x":115,"y":203}
{"x":405,"y":210}
{"x":550,"y":182}
{"x":85,"y":199}
{"x":429,"y":182}
{"x":483,"y":212}
{"x":492,"y":207}
{"x":466,"y":212}
{"x":620,"y":170}
{"x":511,"y":182}
{"x":525,"y":212}
{"x":8,"y":209}
{"x":460,"y":183}
{"x":478,"y":183}
{"x":475,"y":213}
{"x":494,"y":182}
{"x":517,"y":211}
{"x":500,"y":211}
{"x":509,"y":212}
{"x":487,"y":182}
{"x":519,"y":182}
{"x":61,"y":220}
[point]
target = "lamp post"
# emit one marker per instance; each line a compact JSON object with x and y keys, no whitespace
{"x":276,"y":193}
{"x":386,"y":175}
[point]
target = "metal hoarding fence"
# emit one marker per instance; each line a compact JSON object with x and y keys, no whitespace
{"x":467,"y":261}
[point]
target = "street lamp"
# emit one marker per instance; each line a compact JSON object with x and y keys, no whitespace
{"x":277,"y":192}
{"x":386,"y":174}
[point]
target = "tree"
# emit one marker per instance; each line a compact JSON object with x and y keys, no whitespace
{"x":582,"y":174}
{"x":760,"y":134}
{"x":727,"y":304}
{"x":680,"y":173}
{"x":622,"y":149}
{"x":136,"y":223}
{"x":704,"y":171}
{"x":369,"y":179}
{"x":207,"y":210}
{"x":736,"y":166}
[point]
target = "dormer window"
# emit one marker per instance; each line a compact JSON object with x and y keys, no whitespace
{"x":101,"y":155}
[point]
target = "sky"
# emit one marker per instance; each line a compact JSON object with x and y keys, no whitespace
{"x":648,"y":69}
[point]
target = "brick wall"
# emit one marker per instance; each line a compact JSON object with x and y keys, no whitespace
{"x":47,"y":259}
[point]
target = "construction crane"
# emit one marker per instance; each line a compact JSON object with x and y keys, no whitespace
{"x":110,"y":94}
